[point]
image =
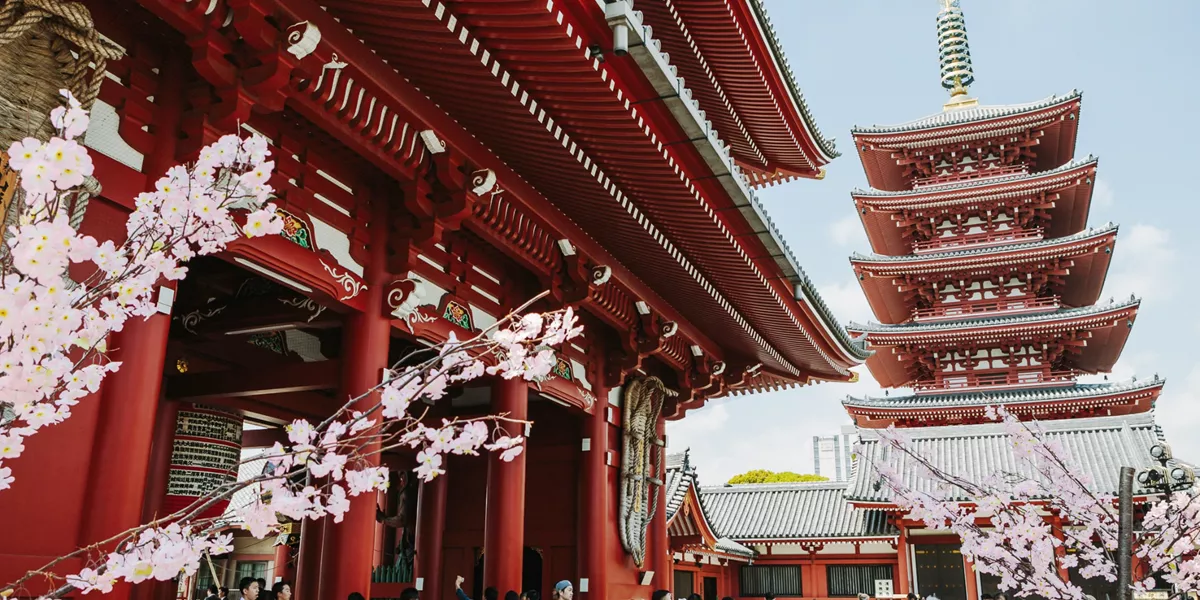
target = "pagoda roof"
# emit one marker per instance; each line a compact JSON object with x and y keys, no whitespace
{"x":1080,"y":287}
{"x":969,"y":188}
{"x":735,"y":68}
{"x":1055,"y":318}
{"x":606,"y":145}
{"x":1073,"y":182}
{"x":792,"y":511}
{"x":1054,"y":119}
{"x":1075,"y":392}
{"x":986,"y":252}
{"x":971,"y":115}
{"x":1100,"y":446}
{"x":1081,"y":399}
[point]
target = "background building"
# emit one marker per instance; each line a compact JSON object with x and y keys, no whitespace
{"x":833,"y":455}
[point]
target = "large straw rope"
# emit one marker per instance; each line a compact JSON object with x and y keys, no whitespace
{"x":45,"y":46}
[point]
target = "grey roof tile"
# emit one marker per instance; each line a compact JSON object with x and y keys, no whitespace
{"x":969,"y":115}
{"x":963,"y":185}
{"x":1082,"y":235}
{"x":1065,"y":313}
{"x":788,"y":511}
{"x":1100,"y":446}
{"x":1079,"y":390}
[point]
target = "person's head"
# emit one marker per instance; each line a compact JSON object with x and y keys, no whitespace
{"x":282,"y":590}
{"x":661,"y":595}
{"x":912,"y":596}
{"x":1001,"y":596}
{"x":563,"y":590}
{"x":262,"y":584}
{"x":212,"y":589}
{"x":862,"y":596}
{"x":770,"y":597}
{"x":410,"y":594}
{"x":511,"y":595}
{"x":531,"y":595}
{"x":694,"y":596}
{"x":249,"y":588}
{"x":491,"y":593}
{"x":355,"y":596}
{"x":727,"y":598}
{"x":223,"y":592}
{"x":988,"y":597}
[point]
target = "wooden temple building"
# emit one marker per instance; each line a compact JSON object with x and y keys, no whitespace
{"x":438,"y":163}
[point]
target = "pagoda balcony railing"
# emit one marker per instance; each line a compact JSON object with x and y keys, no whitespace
{"x":998,"y":381}
{"x":1004,"y":306}
{"x":978,"y":240}
{"x":969,"y":176}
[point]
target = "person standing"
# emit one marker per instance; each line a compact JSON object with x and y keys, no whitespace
{"x":489,"y":593}
{"x":282,"y":590}
{"x":563,"y":590}
{"x":248,"y":587}
{"x":211,"y":592}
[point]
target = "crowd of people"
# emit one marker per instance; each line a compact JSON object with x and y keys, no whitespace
{"x":250,"y":588}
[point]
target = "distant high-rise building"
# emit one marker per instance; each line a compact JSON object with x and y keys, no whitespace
{"x":833,"y":455}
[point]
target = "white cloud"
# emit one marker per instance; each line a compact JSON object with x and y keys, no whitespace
{"x":1181,"y":400}
{"x":848,"y":233}
{"x":847,"y":301}
{"x":1142,"y":264}
{"x":1103,"y":195}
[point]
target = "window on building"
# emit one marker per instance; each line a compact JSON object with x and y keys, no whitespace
{"x":685,"y":584}
{"x":202,"y":580}
{"x":850,"y":580}
{"x":256,"y":569}
{"x":782,"y":580}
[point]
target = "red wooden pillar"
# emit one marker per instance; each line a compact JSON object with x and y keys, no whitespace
{"x":156,"y":490}
{"x":969,"y":574}
{"x":431,"y":523}
{"x":121,"y":453}
{"x":308,"y":568}
{"x":660,"y":544}
{"x":594,"y":544}
{"x":902,"y":560}
{"x":1061,"y":550}
{"x":350,"y":545}
{"x":283,"y":564}
{"x":504,"y":529}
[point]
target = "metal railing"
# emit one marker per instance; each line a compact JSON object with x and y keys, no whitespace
{"x":1001,"y":307}
{"x":971,"y":382}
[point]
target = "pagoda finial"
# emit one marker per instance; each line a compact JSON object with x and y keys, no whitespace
{"x":954,"y":55}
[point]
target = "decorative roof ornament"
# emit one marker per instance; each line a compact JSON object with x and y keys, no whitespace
{"x":954,"y":55}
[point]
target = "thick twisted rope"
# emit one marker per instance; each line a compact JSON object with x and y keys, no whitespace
{"x":70,"y":22}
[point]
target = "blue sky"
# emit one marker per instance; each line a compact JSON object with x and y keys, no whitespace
{"x":862,"y":62}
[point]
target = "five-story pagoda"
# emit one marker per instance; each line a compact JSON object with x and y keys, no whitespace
{"x":985,"y":278}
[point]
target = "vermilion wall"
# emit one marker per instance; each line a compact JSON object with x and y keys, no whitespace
{"x":41,"y":515}
{"x":813,"y":579}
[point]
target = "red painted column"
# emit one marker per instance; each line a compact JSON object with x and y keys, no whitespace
{"x":431,"y":523}
{"x":308,"y":568}
{"x":969,"y":574}
{"x":121,"y":453}
{"x":660,"y":544}
{"x":902,"y":561}
{"x":350,"y":545}
{"x":283,"y":564}
{"x":156,"y":490}
{"x":594,"y":543}
{"x":129,"y":398}
{"x":504,"y":529}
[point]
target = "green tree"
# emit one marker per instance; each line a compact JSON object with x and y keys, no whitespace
{"x":765,"y":476}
